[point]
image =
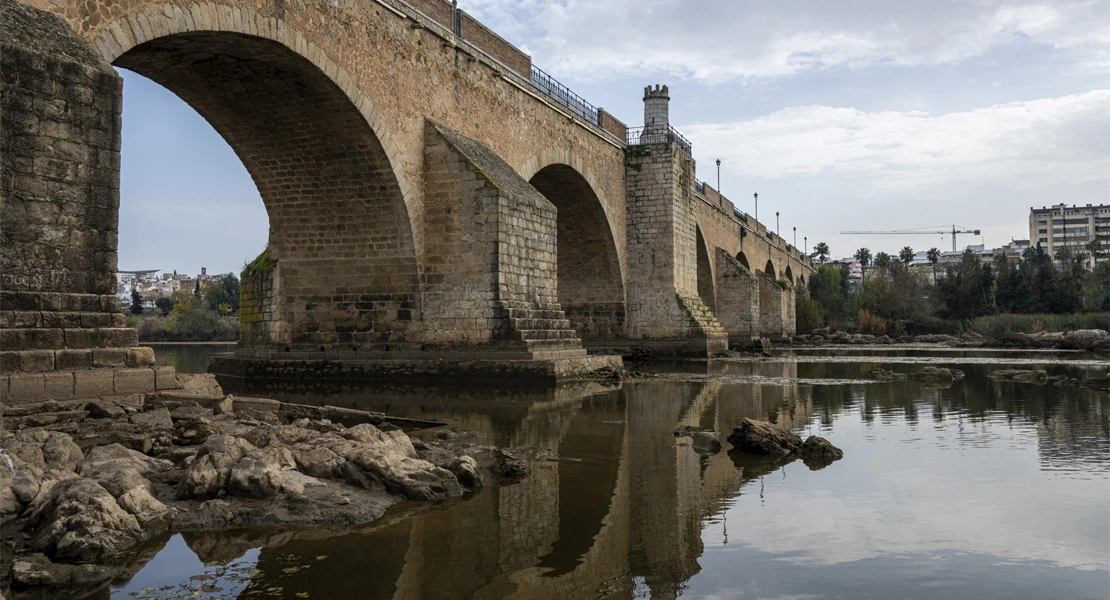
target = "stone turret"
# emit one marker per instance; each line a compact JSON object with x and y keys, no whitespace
{"x":657,"y":108}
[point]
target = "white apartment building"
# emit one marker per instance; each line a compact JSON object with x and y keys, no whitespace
{"x":1073,"y":227}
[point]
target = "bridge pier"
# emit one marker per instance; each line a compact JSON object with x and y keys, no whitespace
{"x":665,"y":312}
{"x":737,"y":299}
{"x":63,"y":338}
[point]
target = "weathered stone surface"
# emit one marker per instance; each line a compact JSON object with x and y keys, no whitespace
{"x":761,"y":437}
{"x":80,"y":521}
{"x":212,"y":467}
{"x":466,"y":470}
{"x":508,"y":466}
{"x":37,"y":571}
{"x":262,"y":473}
{"x":157,"y":419}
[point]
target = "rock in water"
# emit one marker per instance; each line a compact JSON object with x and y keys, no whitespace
{"x":466,"y":471}
{"x":761,"y":437}
{"x":936,"y":375}
{"x":819,"y":447}
{"x":705,"y":441}
{"x":510,"y":467}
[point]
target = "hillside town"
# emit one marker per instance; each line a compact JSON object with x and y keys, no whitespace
{"x":152,"y":284}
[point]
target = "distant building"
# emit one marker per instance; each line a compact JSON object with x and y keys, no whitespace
{"x":1063,"y":226}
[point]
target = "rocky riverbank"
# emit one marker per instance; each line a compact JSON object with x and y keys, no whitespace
{"x":1095,"y":341}
{"x":82,"y":492}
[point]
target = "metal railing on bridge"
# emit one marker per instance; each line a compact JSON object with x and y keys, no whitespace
{"x":643,"y":136}
{"x":562,"y":94}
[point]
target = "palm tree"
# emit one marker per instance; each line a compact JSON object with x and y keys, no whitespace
{"x":883,"y":261}
{"x":906,"y":254}
{"x":821,"y":250}
{"x":863,"y":255}
{"x":934,"y":257}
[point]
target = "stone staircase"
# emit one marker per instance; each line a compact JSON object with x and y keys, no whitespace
{"x":543,"y":329}
{"x":703,"y":320}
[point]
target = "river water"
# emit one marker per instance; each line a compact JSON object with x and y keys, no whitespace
{"x":980,"y":490}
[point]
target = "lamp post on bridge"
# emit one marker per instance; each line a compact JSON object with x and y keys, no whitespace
{"x":805,"y":240}
{"x":795,"y":237}
{"x":777,"y":230}
{"x":757,"y":206}
{"x":718,"y":176}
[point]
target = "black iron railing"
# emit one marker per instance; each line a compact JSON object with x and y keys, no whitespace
{"x":699,"y":187}
{"x":739,"y":214}
{"x":562,"y":94}
{"x":643,"y":136}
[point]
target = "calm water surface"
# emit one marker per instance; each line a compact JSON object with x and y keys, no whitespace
{"x":981,"y":490}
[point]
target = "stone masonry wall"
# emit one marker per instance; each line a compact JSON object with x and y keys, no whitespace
{"x":62,"y":335}
{"x":738,"y":307}
{"x":663,"y":302}
{"x":776,"y":308}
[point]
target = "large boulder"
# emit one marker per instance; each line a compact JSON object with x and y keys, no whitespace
{"x":211,"y":469}
{"x":80,"y":521}
{"x":262,"y":473}
{"x":761,"y":437}
{"x":122,"y":472}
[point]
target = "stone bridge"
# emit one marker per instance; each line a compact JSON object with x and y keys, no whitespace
{"x":433,"y":198}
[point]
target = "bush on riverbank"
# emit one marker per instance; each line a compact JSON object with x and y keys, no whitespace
{"x":995,"y":326}
{"x":189,"y":321}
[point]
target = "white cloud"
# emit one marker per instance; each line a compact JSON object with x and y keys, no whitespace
{"x":717,"y":41}
{"x":1039,"y":143}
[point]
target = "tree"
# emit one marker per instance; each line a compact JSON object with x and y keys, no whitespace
{"x":821,"y":250}
{"x":863,"y":255}
{"x":934,"y":257}
{"x":906,"y":254}
{"x":164,"y":304}
{"x":136,"y":302}
{"x":224,"y":290}
{"x":883,"y":261}
{"x":967,"y":290}
{"x":1093,"y":248}
{"x":196,"y":290}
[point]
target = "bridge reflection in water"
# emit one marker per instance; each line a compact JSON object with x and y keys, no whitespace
{"x":624,"y":509}
{"x":625,"y":514}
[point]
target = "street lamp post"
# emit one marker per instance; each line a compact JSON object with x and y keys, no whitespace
{"x":718,"y":176}
{"x":795,"y":237}
{"x":757,"y":206}
{"x":777,"y":230}
{"x":805,"y":240}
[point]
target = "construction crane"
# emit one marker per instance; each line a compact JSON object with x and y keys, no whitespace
{"x":956,"y":230}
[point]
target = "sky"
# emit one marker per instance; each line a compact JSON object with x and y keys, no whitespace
{"x":848,"y":115}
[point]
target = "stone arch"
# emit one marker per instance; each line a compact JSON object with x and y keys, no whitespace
{"x":706,"y":287}
{"x":113,"y":38}
{"x":801,"y":281}
{"x":345,"y":273}
{"x":769,"y":269}
{"x":590,"y":283}
{"x":743,"y":259}
{"x":788,"y":274}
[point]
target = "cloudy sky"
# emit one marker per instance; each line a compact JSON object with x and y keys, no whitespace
{"x":848,"y":115}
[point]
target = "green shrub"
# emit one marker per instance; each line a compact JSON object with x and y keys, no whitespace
{"x":999,"y":325}
{"x":808,"y":314}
